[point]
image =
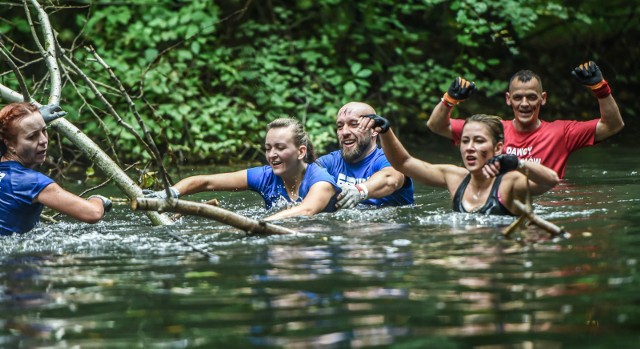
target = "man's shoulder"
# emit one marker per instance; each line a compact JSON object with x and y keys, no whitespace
{"x":378,"y":154}
{"x":332,"y":156}
{"x":331,"y":160}
{"x":567,"y":126}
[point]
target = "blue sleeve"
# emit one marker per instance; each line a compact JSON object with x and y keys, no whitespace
{"x":380,"y":162}
{"x":29,"y":186}
{"x":326,"y":161}
{"x":256,"y":178}
{"x":320,"y":174}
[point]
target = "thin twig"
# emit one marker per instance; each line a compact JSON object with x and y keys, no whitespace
{"x":19,"y":46}
{"x":23,"y":65}
{"x":100,"y":96}
{"x":132,"y":106}
{"x":16,"y":72}
{"x":513,"y":226}
{"x":100,"y":122}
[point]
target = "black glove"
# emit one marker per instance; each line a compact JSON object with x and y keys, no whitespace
{"x":508,"y":162}
{"x":379,"y":121}
{"x":106,"y":202}
{"x":51,"y":112}
{"x":161,"y":194}
{"x":461,"y":89}
{"x":587,"y":74}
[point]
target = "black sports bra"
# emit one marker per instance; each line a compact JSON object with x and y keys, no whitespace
{"x":493,"y":206}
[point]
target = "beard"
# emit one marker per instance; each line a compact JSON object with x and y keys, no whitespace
{"x":351,"y":155}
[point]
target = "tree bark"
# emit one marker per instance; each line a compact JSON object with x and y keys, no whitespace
{"x":221,"y":215}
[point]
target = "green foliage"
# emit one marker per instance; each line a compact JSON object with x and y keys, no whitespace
{"x":208,"y":77}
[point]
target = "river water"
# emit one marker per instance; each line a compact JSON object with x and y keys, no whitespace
{"x":410,"y":277}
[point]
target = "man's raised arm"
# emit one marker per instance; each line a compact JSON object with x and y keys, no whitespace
{"x":610,"y":122}
{"x":439,"y":122}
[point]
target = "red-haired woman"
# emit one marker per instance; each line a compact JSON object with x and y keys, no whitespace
{"x":24,"y":191}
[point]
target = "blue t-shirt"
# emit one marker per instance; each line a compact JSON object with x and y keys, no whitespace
{"x":271,"y":188}
{"x":18,"y":187}
{"x":344,"y":172}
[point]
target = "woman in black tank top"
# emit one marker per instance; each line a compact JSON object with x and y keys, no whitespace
{"x":488,"y":183}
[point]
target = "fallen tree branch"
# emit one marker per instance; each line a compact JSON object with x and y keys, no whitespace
{"x":513,"y":226}
{"x":151,"y":146}
{"x":212,"y":202}
{"x":221,"y":215}
{"x":48,"y":51}
{"x":66,"y":128}
{"x":535,"y":219}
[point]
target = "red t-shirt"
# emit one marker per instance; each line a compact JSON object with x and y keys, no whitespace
{"x":550,"y":144}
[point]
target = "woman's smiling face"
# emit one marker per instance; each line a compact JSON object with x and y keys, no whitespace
{"x":282,"y":154}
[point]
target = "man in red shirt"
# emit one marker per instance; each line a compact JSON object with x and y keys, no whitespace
{"x":528,"y":137}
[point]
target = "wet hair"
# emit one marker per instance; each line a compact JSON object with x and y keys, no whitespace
{"x":493,"y":123}
{"x":300,"y":136}
{"x":9,"y":115}
{"x":525,"y":76}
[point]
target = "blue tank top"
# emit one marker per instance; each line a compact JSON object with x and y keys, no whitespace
{"x":18,"y":187}
{"x":492,"y":206}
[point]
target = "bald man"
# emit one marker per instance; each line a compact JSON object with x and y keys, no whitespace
{"x":361,"y":168}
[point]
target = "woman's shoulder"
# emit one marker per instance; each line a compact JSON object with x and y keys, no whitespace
{"x":16,"y":170}
{"x":452,"y":170}
{"x":23,"y":181}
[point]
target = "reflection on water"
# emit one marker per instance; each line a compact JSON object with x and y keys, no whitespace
{"x":410,"y":277}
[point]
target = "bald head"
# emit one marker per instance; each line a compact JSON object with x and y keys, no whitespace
{"x":355,"y":109}
{"x":355,"y":144}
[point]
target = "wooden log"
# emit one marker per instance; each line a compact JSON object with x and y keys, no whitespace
{"x":546,"y":225}
{"x":212,"y":202}
{"x":513,"y":226}
{"x":252,"y":226}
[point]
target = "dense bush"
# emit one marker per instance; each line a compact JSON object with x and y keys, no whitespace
{"x":208,"y":76}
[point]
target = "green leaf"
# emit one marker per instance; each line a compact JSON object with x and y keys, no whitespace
{"x":355,"y":68}
{"x":192,"y":30}
{"x":364,"y":73}
{"x":150,"y":54}
{"x":349,"y":88}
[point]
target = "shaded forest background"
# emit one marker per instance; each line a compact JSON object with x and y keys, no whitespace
{"x":208,"y":75}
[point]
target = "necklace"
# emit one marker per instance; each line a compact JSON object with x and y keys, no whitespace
{"x":476,"y":196}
